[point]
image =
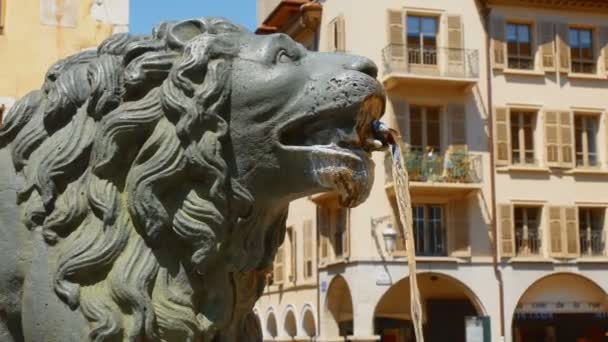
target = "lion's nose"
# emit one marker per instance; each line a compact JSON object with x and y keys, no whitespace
{"x":365,"y":66}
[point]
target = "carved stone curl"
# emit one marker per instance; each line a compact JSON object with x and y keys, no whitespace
{"x":144,"y":189}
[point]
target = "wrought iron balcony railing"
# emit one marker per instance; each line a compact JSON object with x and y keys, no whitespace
{"x":450,"y":167}
{"x":527,"y":244}
{"x":435,"y":61}
{"x":592,"y":243}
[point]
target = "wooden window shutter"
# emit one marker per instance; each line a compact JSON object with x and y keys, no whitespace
{"x":570,"y":224}
{"x":455,"y":41}
{"x":323,"y":226}
{"x":499,"y":47}
{"x":308,"y":249}
{"x":279,"y":270}
{"x":563,"y":47}
{"x":346,"y":233}
{"x":566,"y":139}
{"x":401,"y":110}
{"x":551,"y":138}
{"x":341,"y":34}
{"x":546,"y":42}
{"x":458,"y":229}
{"x":457,"y":124}
{"x":331,"y":36}
{"x":603,"y":35}
{"x":396,"y":37}
{"x":556,"y":238}
{"x":502,"y":134}
{"x":507,"y":234}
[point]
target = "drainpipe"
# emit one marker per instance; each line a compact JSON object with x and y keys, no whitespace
{"x":486,"y":11}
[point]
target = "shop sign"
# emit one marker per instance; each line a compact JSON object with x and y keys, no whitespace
{"x":559,"y":307}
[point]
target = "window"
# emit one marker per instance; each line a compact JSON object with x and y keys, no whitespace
{"x":591,"y":231}
{"x":519,"y":46}
{"x":422,"y":40}
{"x":527,"y":237}
{"x":291,"y":240}
{"x":522,"y":137}
{"x":585,"y":139}
{"x":278,"y":270}
{"x":335,"y":35}
{"x":429,"y":230}
{"x":425,"y":129}
{"x":308,"y":249}
{"x":332,"y":221}
{"x":581,"y":51}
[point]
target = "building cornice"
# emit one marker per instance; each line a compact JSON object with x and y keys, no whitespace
{"x":566,"y":5}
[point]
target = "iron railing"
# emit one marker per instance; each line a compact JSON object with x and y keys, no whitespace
{"x":450,"y":167}
{"x":592,"y":243}
{"x":527,"y":244}
{"x":436,"y":61}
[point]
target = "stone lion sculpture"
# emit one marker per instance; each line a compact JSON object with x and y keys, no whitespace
{"x":144,"y":189}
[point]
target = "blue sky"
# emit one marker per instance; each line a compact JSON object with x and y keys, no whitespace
{"x":144,"y":14}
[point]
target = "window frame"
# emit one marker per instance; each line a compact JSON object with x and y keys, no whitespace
{"x":524,"y":248}
{"x":435,"y":252}
{"x":588,"y":230}
{"x":521,"y":138}
{"x":532,"y":45}
{"x":331,"y":207}
{"x":422,"y":54}
{"x":596,"y":118}
{"x":582,"y":61}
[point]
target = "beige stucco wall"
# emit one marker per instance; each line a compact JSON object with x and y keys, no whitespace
{"x":28,"y":47}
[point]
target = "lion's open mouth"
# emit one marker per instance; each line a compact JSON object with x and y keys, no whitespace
{"x":339,"y":142}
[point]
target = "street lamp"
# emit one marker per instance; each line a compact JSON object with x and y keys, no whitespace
{"x":390,"y":238}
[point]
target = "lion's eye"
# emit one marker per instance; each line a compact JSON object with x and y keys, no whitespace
{"x":284,"y":57}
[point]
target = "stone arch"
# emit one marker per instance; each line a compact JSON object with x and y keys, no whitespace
{"x":271,"y":327}
{"x":338,"y":309}
{"x":561,"y":304}
{"x":289,"y":321}
{"x":308,"y":321}
{"x":444,"y":299}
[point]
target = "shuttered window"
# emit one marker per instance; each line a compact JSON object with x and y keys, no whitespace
{"x":336,"y":35}
{"x":546,"y":41}
{"x":324,"y":227}
{"x":527,"y":233}
{"x":333,"y":223}
{"x":457,"y":124}
{"x":293,"y":254}
{"x":519,"y":46}
{"x":458,"y":229}
{"x":563,"y":232}
{"x":502,"y":138}
{"x":498,"y":42}
{"x":279,"y":263}
{"x":400,"y":240}
{"x":559,"y":146}
{"x":582,"y":50}
{"x":522,"y":137}
{"x":396,"y":39}
{"x":563,"y":47}
{"x":505,"y":226}
{"x":585,"y":139}
{"x":308,"y":249}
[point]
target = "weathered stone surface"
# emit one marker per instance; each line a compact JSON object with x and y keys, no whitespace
{"x":144,"y":188}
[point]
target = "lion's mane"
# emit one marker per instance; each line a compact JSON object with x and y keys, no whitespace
{"x":124,"y":166}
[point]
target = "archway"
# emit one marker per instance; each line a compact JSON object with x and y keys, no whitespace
{"x":561,"y":307}
{"x":309,"y":327}
{"x":271,"y":325}
{"x":338,"y":309}
{"x":290,"y":324}
{"x":446,"y":301}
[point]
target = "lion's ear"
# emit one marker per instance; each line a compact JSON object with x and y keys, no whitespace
{"x":183,"y":31}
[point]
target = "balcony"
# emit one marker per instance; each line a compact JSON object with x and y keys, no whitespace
{"x":592,"y":243}
{"x":527,"y":243}
{"x":444,"y":67}
{"x":454,"y":172}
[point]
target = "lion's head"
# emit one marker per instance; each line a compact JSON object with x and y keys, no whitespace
{"x":160,"y":168}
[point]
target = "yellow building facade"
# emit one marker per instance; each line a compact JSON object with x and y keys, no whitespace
{"x":34,"y":34}
{"x":502,"y":104}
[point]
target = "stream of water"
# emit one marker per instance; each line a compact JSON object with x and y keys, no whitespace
{"x":401,"y":185}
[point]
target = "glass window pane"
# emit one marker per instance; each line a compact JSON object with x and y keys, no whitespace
{"x":511,"y":32}
{"x":573,"y":38}
{"x":585,"y":38}
{"x":523,"y":33}
{"x":413,"y":26}
{"x":429,"y":26}
{"x":524,"y":49}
